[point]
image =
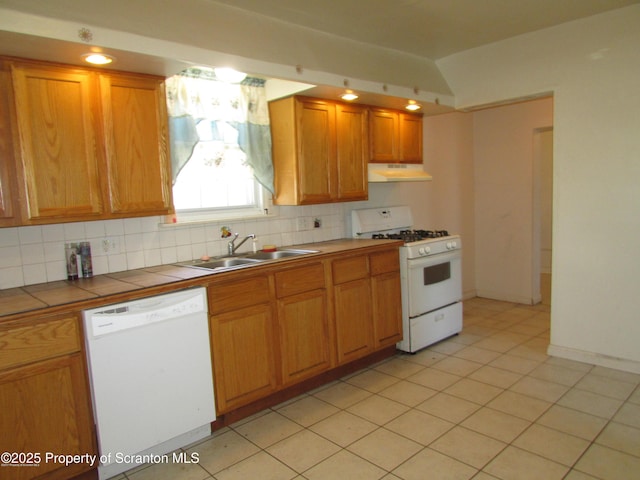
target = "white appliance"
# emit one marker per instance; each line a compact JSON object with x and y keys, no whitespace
{"x":151,"y":378}
{"x":430,"y":272}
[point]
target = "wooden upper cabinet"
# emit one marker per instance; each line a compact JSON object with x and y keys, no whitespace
{"x":136,"y":136}
{"x":8,"y":203}
{"x":316,"y":126}
{"x":384,"y":135}
{"x":84,"y":144}
{"x":352,"y":152}
{"x":319,"y":151}
{"x":410,"y":138}
{"x":59,"y":153}
{"x":394,"y":136}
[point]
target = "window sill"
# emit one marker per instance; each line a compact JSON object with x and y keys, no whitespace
{"x":172,"y":222}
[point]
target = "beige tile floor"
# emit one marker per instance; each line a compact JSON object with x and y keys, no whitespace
{"x":486,"y":404}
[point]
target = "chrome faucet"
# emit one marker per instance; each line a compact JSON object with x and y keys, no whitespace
{"x":232,"y":247}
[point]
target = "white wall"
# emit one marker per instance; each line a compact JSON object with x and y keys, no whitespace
{"x":592,"y":66}
{"x":504,"y":200}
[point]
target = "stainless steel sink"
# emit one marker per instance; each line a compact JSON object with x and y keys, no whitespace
{"x":221,"y":263}
{"x":243,"y":260}
{"x":279,"y":254}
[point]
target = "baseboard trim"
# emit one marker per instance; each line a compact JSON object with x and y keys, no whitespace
{"x":593,"y":358}
{"x":506,"y":297}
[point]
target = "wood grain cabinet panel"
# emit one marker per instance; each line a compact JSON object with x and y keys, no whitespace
{"x":88,"y":145}
{"x":242,"y":327}
{"x":59,"y":154}
{"x":299,"y":279}
{"x":367,"y":303}
{"x":410,"y":138}
{"x":384,"y":134}
{"x":395,"y":136}
{"x":387,"y":309}
{"x":136,"y":136}
{"x":290,"y":323}
{"x":304,"y":335}
{"x":351,"y":152}
{"x":45,"y":402}
{"x":244,"y":361}
{"x":320,"y":151}
{"x":386,"y":296}
{"x":29,"y":343}
{"x":9,"y":212}
{"x":354,"y":327}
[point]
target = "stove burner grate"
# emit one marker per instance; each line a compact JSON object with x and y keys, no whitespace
{"x":409,"y":236}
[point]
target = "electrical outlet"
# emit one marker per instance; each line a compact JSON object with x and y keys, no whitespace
{"x":302,"y":224}
{"x":110,"y":245}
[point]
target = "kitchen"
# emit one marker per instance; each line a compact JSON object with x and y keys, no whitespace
{"x":594,"y":199}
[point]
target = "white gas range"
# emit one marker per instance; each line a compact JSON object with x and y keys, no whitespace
{"x":431,"y":274}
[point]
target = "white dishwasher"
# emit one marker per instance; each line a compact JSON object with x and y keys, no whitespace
{"x":151,"y":378}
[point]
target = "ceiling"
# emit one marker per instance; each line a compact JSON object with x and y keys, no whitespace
{"x":427,"y":28}
{"x":430,"y":29}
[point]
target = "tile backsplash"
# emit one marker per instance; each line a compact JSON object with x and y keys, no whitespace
{"x":35,"y":254}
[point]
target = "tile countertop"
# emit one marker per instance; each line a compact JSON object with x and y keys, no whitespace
{"x":52,"y":294}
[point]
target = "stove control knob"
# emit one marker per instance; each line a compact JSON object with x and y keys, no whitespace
{"x":424,"y":250}
{"x":452,"y":245}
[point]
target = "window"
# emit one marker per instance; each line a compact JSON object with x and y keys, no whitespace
{"x":220,"y":146}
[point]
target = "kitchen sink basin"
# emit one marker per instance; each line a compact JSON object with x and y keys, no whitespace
{"x":279,"y":254}
{"x":219,"y":263}
{"x":246,"y":259}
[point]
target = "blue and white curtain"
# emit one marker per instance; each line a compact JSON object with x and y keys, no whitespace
{"x":200,"y":106}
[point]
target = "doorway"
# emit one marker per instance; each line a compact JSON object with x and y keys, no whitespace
{"x":543,"y":213}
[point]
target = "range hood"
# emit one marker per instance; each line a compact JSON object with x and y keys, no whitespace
{"x":397,"y":172}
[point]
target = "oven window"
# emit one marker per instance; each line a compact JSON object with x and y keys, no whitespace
{"x":437,"y":273}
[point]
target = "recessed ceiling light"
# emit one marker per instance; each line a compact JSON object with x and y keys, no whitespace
{"x":229,"y":75}
{"x":349,"y":96}
{"x":98,"y":58}
{"x":413,"y":106}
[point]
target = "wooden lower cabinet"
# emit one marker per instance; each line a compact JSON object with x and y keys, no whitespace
{"x":44,"y":398}
{"x":387,"y":309}
{"x":368,"y":308}
{"x":289,"y":324}
{"x":303,"y":327}
{"x":354,"y":330}
{"x":243,"y":356}
{"x":242,"y":326}
{"x":303,"y":322}
{"x":386,"y":297}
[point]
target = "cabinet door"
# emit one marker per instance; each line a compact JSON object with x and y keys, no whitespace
{"x":354,"y":329}
{"x":352,"y":152}
{"x":243,"y":356}
{"x":410,"y":138}
{"x":316,"y":128}
{"x":384,"y":135}
{"x":387,"y":309}
{"x":135,"y":127}
{"x":59,"y":159}
{"x":304,"y":335}
{"x":8,"y":210}
{"x":45,"y":408}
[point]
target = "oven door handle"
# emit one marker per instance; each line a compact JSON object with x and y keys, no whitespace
{"x":421,"y":262}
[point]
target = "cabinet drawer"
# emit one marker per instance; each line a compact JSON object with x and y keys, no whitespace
{"x":232,"y":295}
{"x":31,"y":343}
{"x":298,"y":280}
{"x":385,"y":262}
{"x":348,"y":269}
